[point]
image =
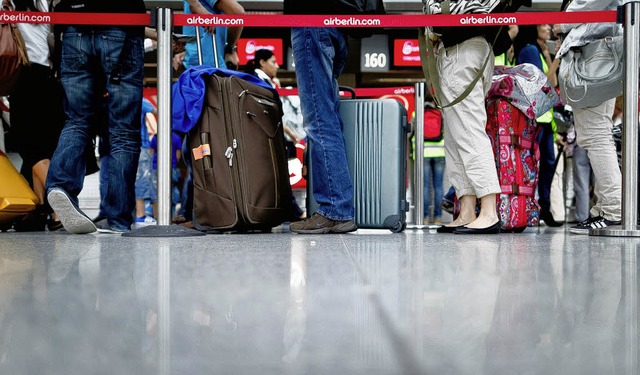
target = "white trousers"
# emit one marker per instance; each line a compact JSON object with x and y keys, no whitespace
{"x":593,"y":133}
{"x":469,"y":157}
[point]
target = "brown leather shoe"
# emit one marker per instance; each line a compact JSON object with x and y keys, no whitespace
{"x":318,"y":224}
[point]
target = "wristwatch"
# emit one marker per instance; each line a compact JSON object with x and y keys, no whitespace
{"x":230,"y":48}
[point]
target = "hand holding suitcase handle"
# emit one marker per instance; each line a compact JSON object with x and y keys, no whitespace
{"x":214,"y":43}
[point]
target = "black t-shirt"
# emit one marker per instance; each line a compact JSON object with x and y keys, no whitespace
{"x":101,"y":6}
{"x":309,"y":7}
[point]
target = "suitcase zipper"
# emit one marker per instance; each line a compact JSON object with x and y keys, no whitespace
{"x":230,"y":120}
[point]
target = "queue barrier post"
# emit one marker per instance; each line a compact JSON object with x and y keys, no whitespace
{"x":418,"y":165}
{"x":164,"y":228}
{"x":629,"y":222}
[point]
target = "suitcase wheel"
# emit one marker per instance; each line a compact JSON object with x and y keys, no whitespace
{"x":399,"y":227}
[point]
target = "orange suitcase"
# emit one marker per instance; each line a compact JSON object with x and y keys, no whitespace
{"x":16,"y":196}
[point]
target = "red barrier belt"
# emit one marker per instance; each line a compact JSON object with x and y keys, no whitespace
{"x":362,"y":92}
{"x":62,"y":18}
{"x":404,"y":20}
{"x":276,"y":20}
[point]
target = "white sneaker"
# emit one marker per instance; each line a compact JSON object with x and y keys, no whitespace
{"x":73,"y":220}
{"x":148,"y":220}
{"x":597,"y":222}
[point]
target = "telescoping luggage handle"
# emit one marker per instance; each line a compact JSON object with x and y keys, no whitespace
{"x":214,"y":44}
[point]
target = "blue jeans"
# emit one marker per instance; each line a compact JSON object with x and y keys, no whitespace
{"x":547,"y":163}
{"x":320,"y":55}
{"x":103,"y":174}
{"x":145,"y":187}
{"x":88,"y":59}
{"x":433,"y":177}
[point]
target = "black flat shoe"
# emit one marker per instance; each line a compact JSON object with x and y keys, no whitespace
{"x":446,"y":229}
{"x":493,"y":229}
{"x":548,"y":219}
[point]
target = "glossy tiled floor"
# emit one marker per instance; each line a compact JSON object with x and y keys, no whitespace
{"x":541,"y":302}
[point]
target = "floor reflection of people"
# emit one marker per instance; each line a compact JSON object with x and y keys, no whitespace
{"x":23,"y":296}
{"x":520,"y":340}
{"x":228,"y":308}
{"x":92,"y":309}
{"x":592,"y":293}
{"x":295,"y":324}
{"x":146,"y":288}
{"x":470,"y":288}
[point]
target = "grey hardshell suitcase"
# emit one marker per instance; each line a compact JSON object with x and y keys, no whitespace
{"x":375,"y":132}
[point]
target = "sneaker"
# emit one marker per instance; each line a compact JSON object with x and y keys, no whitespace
{"x":318,"y":224}
{"x":72,"y":218}
{"x":104,"y":227}
{"x":98,"y":218}
{"x":597,"y":222}
{"x":144,"y":221}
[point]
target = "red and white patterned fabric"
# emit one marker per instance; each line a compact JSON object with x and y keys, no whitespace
{"x":513,"y":138}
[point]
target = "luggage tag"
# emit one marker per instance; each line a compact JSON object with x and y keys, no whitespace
{"x":201,"y":151}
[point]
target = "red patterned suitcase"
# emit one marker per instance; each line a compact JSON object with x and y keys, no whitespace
{"x":513,"y":138}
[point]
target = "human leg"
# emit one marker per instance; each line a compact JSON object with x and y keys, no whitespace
{"x":467,"y":147}
{"x":438,"y":176}
{"x":547,"y":158}
{"x":581,"y":182}
{"x":320,"y":55}
{"x":546,"y":172}
{"x":144,"y":188}
{"x":593,"y":130}
{"x":427,"y":178}
{"x":67,"y":168}
{"x":124,"y":106}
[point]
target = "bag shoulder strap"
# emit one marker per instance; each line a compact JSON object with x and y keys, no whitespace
{"x":430,"y":70}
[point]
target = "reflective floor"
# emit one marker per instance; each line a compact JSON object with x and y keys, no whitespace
{"x":541,"y":302}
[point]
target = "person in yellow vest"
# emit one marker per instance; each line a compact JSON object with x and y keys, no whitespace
{"x":531,"y":47}
{"x":433,"y":175}
{"x":508,"y":58}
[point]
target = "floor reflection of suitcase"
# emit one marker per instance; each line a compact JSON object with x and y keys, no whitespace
{"x":375,"y":132}
{"x":16,"y":197}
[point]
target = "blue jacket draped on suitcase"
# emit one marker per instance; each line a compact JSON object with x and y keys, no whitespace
{"x":188,"y":94}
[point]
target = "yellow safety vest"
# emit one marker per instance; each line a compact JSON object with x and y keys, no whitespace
{"x":431,"y":149}
{"x":502,"y":60}
{"x":434,"y":149}
{"x":547,"y":117}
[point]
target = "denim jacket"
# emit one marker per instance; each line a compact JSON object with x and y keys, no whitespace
{"x":584,"y":33}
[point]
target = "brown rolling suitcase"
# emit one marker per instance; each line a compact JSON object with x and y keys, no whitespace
{"x":240,"y":172}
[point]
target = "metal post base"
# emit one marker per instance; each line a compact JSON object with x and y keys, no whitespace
{"x":616,"y":231}
{"x":163,"y":231}
{"x":416,"y":226}
{"x":423,"y":226}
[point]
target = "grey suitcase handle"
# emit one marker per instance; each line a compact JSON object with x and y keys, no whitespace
{"x":348,"y":89}
{"x":214,"y":43}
